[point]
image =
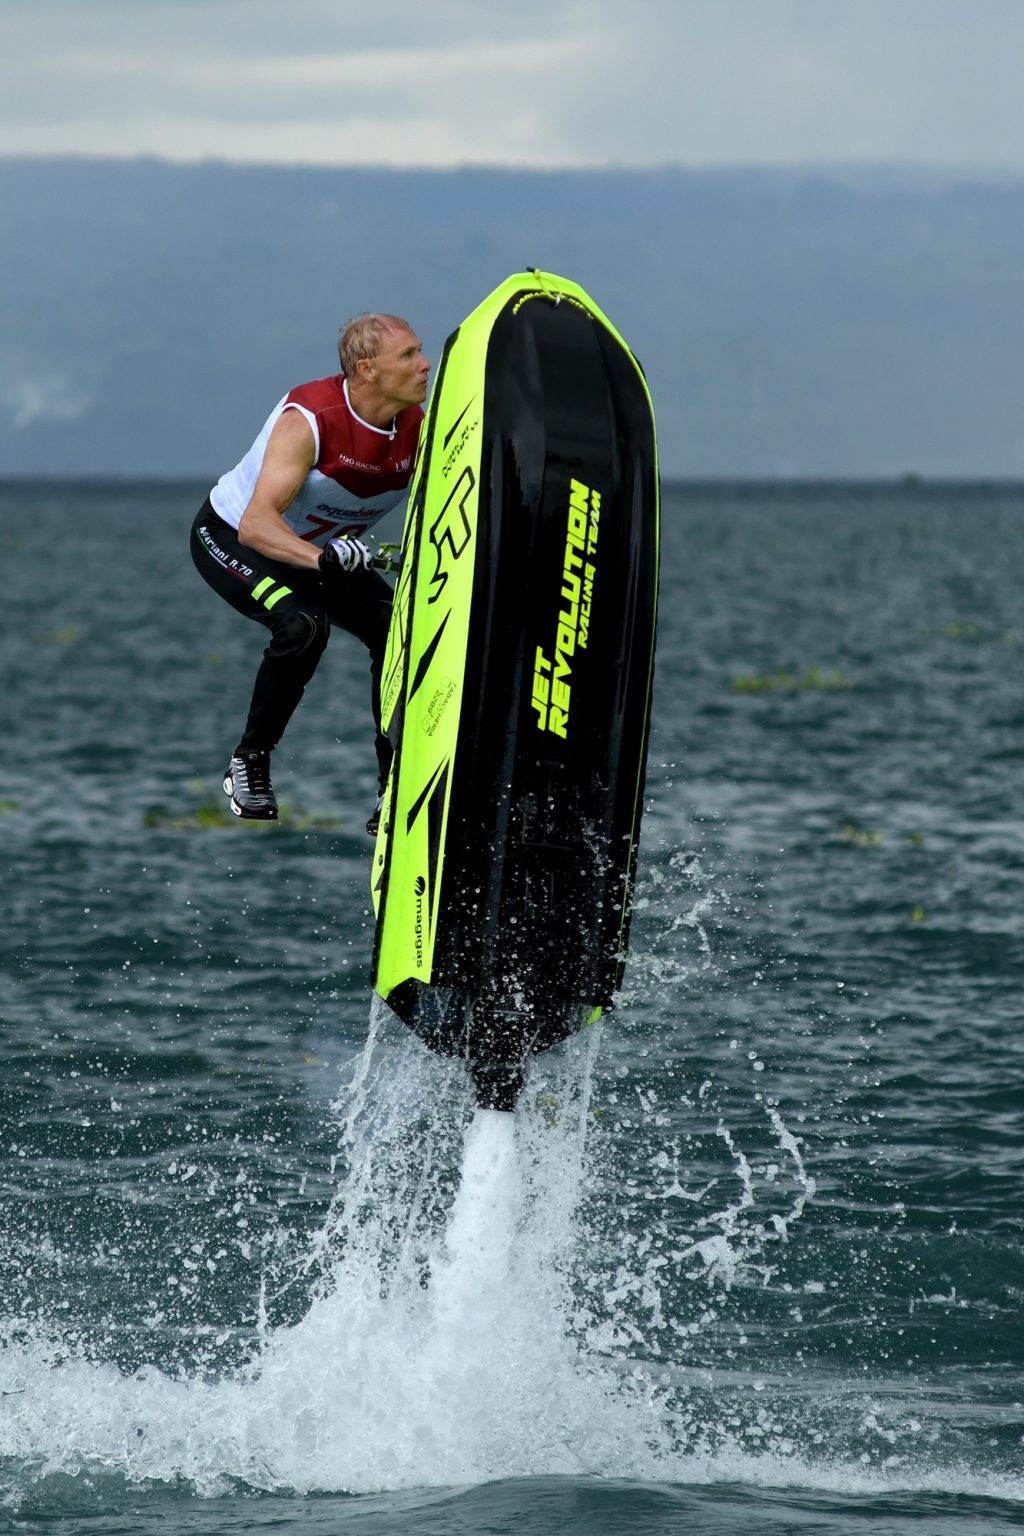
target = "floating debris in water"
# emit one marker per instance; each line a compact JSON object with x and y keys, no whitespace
{"x":857,"y":837}
{"x":64,"y":634}
{"x":214,"y":811}
{"x":814,"y":678}
{"x":968,"y":630}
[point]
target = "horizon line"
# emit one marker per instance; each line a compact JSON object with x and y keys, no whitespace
{"x":894,"y":170}
{"x":902,"y":480}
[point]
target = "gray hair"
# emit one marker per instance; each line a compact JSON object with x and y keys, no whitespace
{"x":363,"y":336}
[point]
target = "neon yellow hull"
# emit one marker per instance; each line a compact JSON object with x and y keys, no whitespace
{"x":517,"y":684}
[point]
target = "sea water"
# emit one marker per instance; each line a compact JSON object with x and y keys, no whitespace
{"x":747,"y":1256}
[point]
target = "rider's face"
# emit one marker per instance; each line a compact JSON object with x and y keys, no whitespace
{"x":400,"y":368}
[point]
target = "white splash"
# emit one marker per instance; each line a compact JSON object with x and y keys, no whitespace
{"x":440,"y":1348}
{"x":472,"y":1281}
{"x":448,"y":1341}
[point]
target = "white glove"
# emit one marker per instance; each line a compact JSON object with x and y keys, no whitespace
{"x":347,"y":553}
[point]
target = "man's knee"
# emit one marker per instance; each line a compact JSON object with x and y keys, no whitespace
{"x":299,"y":634}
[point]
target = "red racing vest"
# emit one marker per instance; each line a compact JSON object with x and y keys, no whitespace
{"x":359,"y":473}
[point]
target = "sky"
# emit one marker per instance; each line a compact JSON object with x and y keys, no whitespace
{"x":537,"y":83}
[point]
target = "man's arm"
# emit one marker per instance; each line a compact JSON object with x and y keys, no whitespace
{"x":288,"y":459}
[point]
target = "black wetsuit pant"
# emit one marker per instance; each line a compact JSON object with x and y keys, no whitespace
{"x":298,"y":607}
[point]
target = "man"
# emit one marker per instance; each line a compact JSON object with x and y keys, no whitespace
{"x":279,"y":536}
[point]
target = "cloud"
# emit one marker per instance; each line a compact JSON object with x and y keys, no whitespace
{"x":45,"y":396}
{"x":546,"y":82}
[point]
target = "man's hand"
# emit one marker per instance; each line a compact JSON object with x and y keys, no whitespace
{"x":344,"y":554}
